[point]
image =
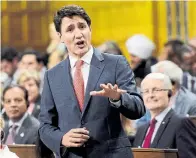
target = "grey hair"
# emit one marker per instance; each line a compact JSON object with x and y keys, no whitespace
{"x":161,"y":77}
{"x":169,"y":68}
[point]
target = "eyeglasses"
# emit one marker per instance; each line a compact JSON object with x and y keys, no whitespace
{"x":153,"y":91}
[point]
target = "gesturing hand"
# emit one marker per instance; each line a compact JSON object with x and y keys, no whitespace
{"x":75,"y":137}
{"x":112,"y":92}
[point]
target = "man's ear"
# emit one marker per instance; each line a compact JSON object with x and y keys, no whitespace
{"x":59,"y":34}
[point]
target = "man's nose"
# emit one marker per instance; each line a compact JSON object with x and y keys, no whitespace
{"x":78,"y":34}
{"x":13,"y":103}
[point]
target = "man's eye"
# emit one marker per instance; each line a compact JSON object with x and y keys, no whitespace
{"x":82,"y":26}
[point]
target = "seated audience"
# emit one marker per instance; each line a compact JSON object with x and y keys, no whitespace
{"x":21,"y":127}
{"x":110,"y":47}
{"x":179,"y":53}
{"x":31,"y":81}
{"x":182,"y":100}
{"x":9,"y":62}
{"x":32,"y":60}
{"x":192,"y":56}
{"x":56,"y":49}
{"x":170,"y":49}
{"x":141,"y":49}
{"x":166,"y":130}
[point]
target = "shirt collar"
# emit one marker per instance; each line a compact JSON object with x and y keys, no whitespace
{"x":162,"y":115}
{"x":19,"y":123}
{"x":86,"y":58}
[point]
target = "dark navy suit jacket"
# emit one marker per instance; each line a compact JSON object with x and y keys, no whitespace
{"x":60,"y":110}
{"x":175,"y":132}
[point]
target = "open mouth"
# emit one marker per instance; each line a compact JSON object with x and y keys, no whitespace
{"x":80,"y":44}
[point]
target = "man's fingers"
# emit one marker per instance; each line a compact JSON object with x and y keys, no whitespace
{"x":115,"y":87}
{"x":77,"y":140}
{"x":80,"y":130}
{"x":75,"y":144}
{"x":77,"y":135}
{"x":97,"y":93}
{"x":122,"y":91}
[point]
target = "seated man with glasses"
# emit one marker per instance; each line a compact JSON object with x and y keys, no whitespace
{"x":166,"y":130}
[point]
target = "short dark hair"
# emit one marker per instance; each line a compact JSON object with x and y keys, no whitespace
{"x":18,"y":86}
{"x":8,"y":54}
{"x":70,"y":11}
{"x":32,"y":52}
{"x":175,"y":44}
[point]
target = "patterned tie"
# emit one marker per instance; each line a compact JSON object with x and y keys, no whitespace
{"x":12,"y":134}
{"x":78,"y":83}
{"x":147,"y":140}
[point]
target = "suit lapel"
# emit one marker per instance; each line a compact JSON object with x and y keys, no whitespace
{"x":96,"y":68}
{"x":67,"y":83}
{"x":161,"y":129}
{"x":22,"y":131}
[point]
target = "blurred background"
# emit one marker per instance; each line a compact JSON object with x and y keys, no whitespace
{"x":26,"y":23}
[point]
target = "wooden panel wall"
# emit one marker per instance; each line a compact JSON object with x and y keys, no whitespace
{"x":25,"y":23}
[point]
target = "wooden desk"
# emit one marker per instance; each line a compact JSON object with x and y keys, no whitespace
{"x":154,"y":153}
{"x":23,"y":151}
{"x":28,"y":151}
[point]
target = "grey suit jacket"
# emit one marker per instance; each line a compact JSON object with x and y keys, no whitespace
{"x":185,"y":102}
{"x":27,"y":133}
{"x":60,"y":110}
{"x":175,"y":132}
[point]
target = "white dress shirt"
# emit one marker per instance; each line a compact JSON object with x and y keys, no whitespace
{"x":85,"y":67}
{"x":18,"y":123}
{"x":85,"y":70}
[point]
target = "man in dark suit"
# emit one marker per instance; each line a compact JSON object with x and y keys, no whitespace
{"x":84,"y":95}
{"x":21,"y":128}
{"x":166,"y":129}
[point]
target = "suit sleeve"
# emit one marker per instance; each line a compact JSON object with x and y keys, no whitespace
{"x":186,"y":139}
{"x":132,"y":105}
{"x":49,"y":132}
{"x":192,"y":110}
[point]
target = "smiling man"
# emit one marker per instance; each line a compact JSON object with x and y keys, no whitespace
{"x":84,"y":95}
{"x":166,"y":129}
{"x":21,"y":127}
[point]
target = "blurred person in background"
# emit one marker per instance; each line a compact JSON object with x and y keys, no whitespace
{"x":140,"y":49}
{"x":9,"y":62}
{"x":182,"y":100}
{"x":169,"y":51}
{"x":186,"y":57}
{"x":181,"y":54}
{"x":31,"y":81}
{"x":33,"y":60}
{"x":110,"y":47}
{"x":21,"y":128}
{"x":56,"y":50}
{"x":192,"y":44}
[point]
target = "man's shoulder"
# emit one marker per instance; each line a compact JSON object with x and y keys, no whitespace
{"x":31,"y":121}
{"x":188,"y":96}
